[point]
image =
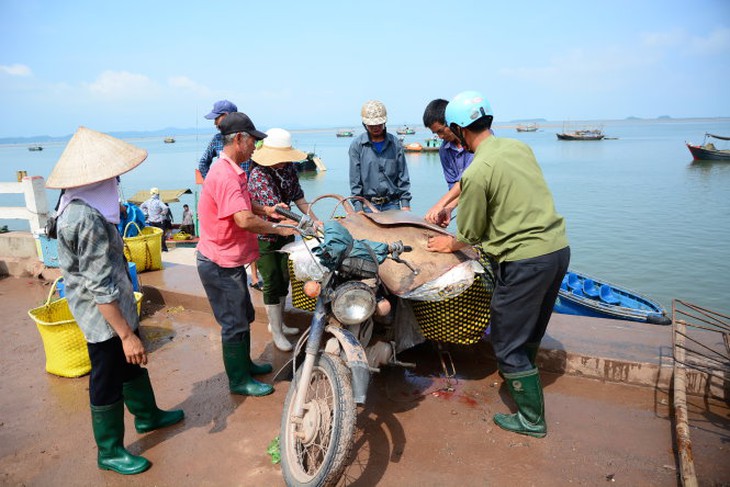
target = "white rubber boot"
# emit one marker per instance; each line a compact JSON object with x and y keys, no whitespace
{"x":288,"y":330}
{"x":281,"y":342}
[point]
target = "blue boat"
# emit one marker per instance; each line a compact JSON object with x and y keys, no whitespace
{"x":583,"y":295}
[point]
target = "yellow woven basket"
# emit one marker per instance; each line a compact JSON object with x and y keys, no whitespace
{"x":462,"y":319}
{"x":145,"y":249}
{"x":63,"y":341}
{"x":298,"y":299}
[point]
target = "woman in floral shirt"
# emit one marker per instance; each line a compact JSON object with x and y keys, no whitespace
{"x":274,"y":180}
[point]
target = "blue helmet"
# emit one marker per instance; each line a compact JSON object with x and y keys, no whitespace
{"x":466,"y":108}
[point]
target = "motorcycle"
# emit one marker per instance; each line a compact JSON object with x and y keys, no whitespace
{"x":341,"y":349}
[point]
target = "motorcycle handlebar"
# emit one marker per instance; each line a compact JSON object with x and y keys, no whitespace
{"x":288,"y":214}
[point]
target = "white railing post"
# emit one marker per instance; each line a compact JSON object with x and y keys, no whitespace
{"x":36,"y":202}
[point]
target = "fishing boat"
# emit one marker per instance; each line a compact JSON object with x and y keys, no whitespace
{"x":584,"y":134}
{"x":169,"y":140}
{"x":35,"y":148}
{"x":529,"y":127}
{"x":707,"y":151}
{"x":413,"y":147}
{"x":432,"y":145}
{"x":311,"y":164}
{"x":344,"y":133}
{"x":583,"y":295}
{"x":405,"y":130}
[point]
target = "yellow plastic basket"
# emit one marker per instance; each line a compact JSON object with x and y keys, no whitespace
{"x":145,"y":250}
{"x":63,"y":341}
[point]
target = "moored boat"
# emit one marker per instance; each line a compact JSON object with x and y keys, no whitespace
{"x":528,"y":127}
{"x":344,"y":133}
{"x":405,"y":130}
{"x":35,"y":148}
{"x":586,"y":134}
{"x":169,"y":140}
{"x":707,"y":151}
{"x":311,"y":164}
{"x":413,"y":147}
{"x":583,"y":295}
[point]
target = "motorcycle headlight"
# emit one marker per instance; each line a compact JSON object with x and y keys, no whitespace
{"x":354,"y":302}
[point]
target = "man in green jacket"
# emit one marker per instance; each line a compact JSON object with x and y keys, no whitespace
{"x":507,"y":211}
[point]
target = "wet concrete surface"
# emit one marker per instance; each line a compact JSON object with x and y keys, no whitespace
{"x":416,"y":429}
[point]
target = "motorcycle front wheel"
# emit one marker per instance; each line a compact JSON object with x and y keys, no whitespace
{"x":314,"y":450}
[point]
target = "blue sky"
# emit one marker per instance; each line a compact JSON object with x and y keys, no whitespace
{"x":133,"y":65}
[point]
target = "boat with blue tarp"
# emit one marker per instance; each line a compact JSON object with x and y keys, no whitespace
{"x":584,"y":295}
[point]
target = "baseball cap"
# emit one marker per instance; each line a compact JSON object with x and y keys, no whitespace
{"x":220,"y":107}
{"x":239,"y":122}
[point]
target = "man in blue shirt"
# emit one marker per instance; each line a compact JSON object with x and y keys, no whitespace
{"x":378,"y":171}
{"x":221,"y":108}
{"x":454,"y":159}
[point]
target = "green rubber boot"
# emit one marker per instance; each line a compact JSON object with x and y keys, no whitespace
{"x":108,"y":425}
{"x":140,"y":400}
{"x":237,"y":362}
{"x":526,"y":391}
{"x":256,"y":369}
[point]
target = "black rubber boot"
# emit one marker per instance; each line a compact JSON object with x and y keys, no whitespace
{"x":526,"y":391}
{"x":256,"y":369}
{"x":237,"y":362}
{"x":108,"y":425}
{"x":140,"y":400}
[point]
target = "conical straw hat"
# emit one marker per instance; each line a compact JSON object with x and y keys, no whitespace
{"x":90,"y":157}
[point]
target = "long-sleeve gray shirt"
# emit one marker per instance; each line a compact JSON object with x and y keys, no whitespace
{"x":382,"y":174}
{"x":91,"y":257}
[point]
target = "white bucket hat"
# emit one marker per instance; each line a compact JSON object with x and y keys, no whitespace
{"x":276,"y":149}
{"x":91,"y":157}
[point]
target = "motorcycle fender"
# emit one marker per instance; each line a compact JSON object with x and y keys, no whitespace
{"x":357,"y":361}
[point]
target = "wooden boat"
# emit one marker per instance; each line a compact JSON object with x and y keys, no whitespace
{"x":311,"y":164}
{"x":432,"y":145}
{"x":405,"y":130}
{"x":34,"y":148}
{"x":585,"y":134}
{"x":707,"y":151}
{"x":169,"y":140}
{"x":583,"y":295}
{"x":529,"y":127}
{"x":413,"y":147}
{"x":344,"y":133}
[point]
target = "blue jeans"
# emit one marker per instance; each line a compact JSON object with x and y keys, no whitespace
{"x":391,"y":205}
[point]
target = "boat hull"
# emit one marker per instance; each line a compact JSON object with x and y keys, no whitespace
{"x":579,"y":137}
{"x":630,"y":306}
{"x":701,"y":154}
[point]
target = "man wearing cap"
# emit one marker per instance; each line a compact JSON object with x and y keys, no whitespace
{"x":229,"y":222}
{"x":378,"y":171}
{"x":100,"y":293}
{"x":507,"y":211}
{"x":220,"y":109}
{"x":155,"y":212}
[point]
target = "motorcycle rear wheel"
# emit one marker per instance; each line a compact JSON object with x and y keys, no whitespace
{"x":314,"y":451}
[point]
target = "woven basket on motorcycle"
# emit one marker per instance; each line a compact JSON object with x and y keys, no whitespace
{"x":298,"y":299}
{"x":462,"y":319}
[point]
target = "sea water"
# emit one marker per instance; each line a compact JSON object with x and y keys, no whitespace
{"x":640,"y":213}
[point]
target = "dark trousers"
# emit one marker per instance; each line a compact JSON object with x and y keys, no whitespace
{"x":273,"y":267}
{"x":227,"y":291}
{"x":160,"y":225}
{"x":522,"y":303}
{"x":109,"y":371}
